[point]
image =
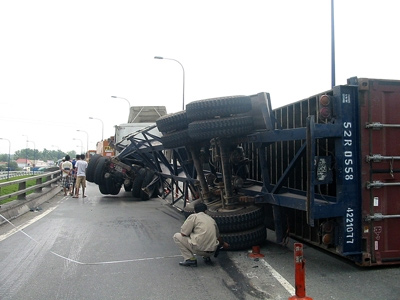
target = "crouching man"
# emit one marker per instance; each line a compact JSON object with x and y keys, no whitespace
{"x":199,"y":235}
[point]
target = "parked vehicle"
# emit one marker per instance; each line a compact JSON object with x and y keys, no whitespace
{"x":323,"y":169}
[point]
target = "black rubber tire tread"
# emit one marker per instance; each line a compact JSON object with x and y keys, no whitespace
{"x":176,"y":139}
{"x":222,"y":107}
{"x":103,"y":189}
{"x":172,"y":122}
{"x":112,"y":187}
{"x":100,"y":171}
{"x":138,"y":182}
{"x":128,"y":188}
{"x":237,"y":220}
{"x":227,"y":127}
{"x":90,"y":171}
{"x":147,"y":179}
{"x":246,"y":239}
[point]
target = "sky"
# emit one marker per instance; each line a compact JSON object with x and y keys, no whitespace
{"x":61,"y":61}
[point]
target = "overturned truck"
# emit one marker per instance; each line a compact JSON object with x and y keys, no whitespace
{"x":323,"y":170}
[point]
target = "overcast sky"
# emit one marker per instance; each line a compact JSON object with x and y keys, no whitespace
{"x":61,"y":61}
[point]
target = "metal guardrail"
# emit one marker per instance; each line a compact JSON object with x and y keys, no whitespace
{"x":43,"y":180}
{"x":5,"y":175}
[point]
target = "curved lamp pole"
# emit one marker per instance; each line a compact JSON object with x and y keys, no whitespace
{"x":129,"y":104}
{"x":102,"y":127}
{"x":183,"y":71}
{"x":87,"y":140}
{"x":9,"y":154}
{"x":81,"y":143}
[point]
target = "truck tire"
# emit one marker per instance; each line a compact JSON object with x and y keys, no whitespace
{"x":112,"y":187}
{"x":92,"y":167}
{"x":246,"y":239}
{"x":103,"y":189}
{"x":222,"y":107}
{"x":138,"y":182}
{"x":176,"y":139}
{"x":227,"y":127}
{"x":100,"y":171}
{"x":172,"y":122}
{"x":240,"y":219}
{"x":153,"y":189}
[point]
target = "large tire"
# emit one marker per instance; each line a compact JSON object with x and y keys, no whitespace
{"x":112,"y":187}
{"x":227,"y":127}
{"x":138,"y":182}
{"x":176,"y":139}
{"x":152,"y":190}
{"x":90,"y":171}
{"x":100,"y":171}
{"x":103,"y":189}
{"x":222,"y":107}
{"x":246,"y":239}
{"x":172,"y":122}
{"x":240,"y":219}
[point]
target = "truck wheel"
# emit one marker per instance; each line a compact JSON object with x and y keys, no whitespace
{"x":92,"y":167}
{"x":172,"y":122}
{"x":176,"y":139}
{"x":151,"y":190}
{"x":227,"y":127}
{"x":246,"y":239}
{"x":240,"y":219}
{"x":103,"y":189}
{"x":138,"y":182}
{"x":100,"y":171}
{"x":128,"y":187}
{"x":112,"y":187}
{"x":222,"y":107}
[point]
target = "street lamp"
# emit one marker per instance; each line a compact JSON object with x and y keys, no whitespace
{"x":129,"y":104}
{"x":81,"y":143}
{"x":102,"y":127}
{"x":87,"y":139}
{"x":34,"y":156}
{"x":183,"y":71}
{"x":9,"y":151}
{"x":26,"y":150}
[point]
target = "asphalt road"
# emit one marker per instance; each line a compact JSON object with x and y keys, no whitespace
{"x":113,"y":247}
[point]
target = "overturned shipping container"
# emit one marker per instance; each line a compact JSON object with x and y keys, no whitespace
{"x":331,"y":172}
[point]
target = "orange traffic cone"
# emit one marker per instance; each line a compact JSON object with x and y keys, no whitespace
{"x":255,"y":253}
{"x":300,"y":278}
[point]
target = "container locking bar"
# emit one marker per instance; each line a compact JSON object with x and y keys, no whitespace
{"x":380,"y":217}
{"x":379,"y":158}
{"x":378,"y":125}
{"x":379,"y":184}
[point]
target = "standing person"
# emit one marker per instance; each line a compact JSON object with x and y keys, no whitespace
{"x":80,"y":168}
{"x":66,"y":168}
{"x":199,"y":235}
{"x":77,"y":157}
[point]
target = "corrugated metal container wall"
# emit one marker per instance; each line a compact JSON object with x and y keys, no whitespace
{"x":380,"y":144}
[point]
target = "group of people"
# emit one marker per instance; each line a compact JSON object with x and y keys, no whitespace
{"x":74,"y":175}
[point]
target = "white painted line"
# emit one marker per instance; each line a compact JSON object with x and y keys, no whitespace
{"x":30,"y":222}
{"x":280,"y":278}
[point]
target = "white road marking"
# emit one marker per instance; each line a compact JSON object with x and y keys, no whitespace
{"x":19,"y":228}
{"x":280,"y":278}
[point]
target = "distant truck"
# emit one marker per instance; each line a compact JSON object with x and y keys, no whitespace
{"x":325,"y":169}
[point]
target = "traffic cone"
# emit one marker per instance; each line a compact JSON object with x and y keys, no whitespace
{"x":255,"y":252}
{"x":300,"y":278}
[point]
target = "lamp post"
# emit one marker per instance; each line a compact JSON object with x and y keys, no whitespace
{"x":183,"y":72}
{"x":9,"y":154}
{"x":34,"y":156}
{"x":87,"y":139}
{"x":81,"y":143}
{"x":102,"y":127}
{"x":129,"y":104}
{"x":26,"y":150}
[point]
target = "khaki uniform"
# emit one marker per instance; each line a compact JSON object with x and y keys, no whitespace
{"x":200,"y":236}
